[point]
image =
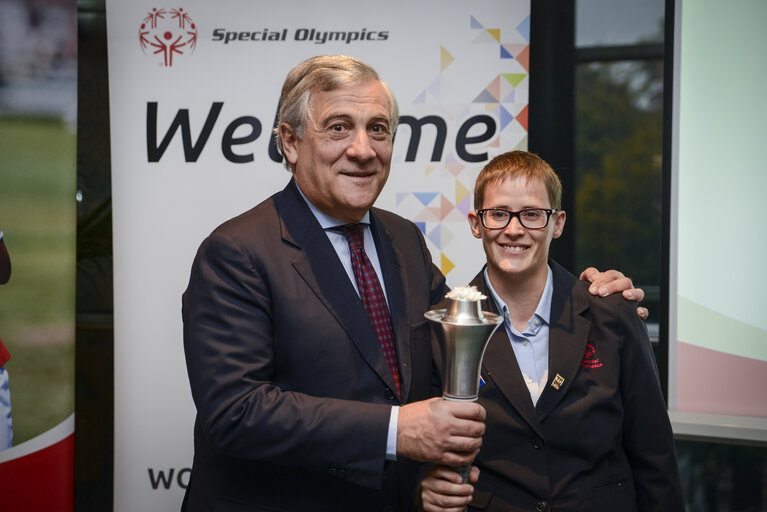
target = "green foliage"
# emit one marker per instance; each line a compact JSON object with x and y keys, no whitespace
{"x":619,"y":166}
{"x":37,"y":306}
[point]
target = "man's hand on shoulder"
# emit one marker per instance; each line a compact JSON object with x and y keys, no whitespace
{"x":612,"y":281}
{"x":440,"y":431}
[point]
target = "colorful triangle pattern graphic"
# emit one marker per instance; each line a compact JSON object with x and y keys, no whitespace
{"x":511,"y":51}
{"x":435,"y":237}
{"x":486,"y":36}
{"x":465,"y":205}
{"x":524,"y":28}
{"x":461,"y":192}
{"x":498,"y":98}
{"x":445,"y":58}
{"x":445,"y":207}
{"x":504,"y":115}
{"x":425,"y":197}
{"x":501,"y":90}
{"x":524,"y":58}
{"x":485,"y":97}
{"x":446,"y":265}
{"x":522,"y":117}
{"x":514,"y":78}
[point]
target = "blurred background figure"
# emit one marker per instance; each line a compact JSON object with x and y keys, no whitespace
{"x":5,"y":261}
{"x":38,"y":190}
{"x":6,"y":427}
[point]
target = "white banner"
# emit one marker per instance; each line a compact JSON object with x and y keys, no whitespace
{"x":193,"y":96}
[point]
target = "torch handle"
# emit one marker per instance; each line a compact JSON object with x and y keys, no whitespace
{"x":463,"y":471}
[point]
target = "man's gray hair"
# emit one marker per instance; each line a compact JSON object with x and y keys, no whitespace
{"x":322,"y":73}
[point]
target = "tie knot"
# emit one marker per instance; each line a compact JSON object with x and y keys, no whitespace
{"x":353,"y":234}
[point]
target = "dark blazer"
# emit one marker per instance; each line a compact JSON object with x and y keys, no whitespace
{"x":603,"y":440}
{"x":292,"y":390}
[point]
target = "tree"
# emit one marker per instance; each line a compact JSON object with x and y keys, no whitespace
{"x":618,"y":168}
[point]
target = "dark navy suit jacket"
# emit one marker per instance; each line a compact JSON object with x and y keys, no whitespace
{"x":292,"y":390}
{"x":600,"y":442}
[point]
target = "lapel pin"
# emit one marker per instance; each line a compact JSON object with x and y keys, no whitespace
{"x":557,"y":382}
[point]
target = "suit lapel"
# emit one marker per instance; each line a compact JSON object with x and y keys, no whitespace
{"x":319,"y":266}
{"x":568,"y":334}
{"x":500,"y":364}
{"x":395,"y":279}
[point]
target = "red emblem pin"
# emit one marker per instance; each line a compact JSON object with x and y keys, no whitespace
{"x":590,"y":359}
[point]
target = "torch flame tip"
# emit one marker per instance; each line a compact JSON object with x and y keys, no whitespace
{"x":465,"y":293}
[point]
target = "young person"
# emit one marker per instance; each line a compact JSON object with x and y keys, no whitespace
{"x":576,"y":420}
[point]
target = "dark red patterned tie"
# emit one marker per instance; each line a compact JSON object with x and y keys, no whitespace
{"x":371,"y":294}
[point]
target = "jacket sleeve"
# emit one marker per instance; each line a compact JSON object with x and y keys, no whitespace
{"x":648,"y":440}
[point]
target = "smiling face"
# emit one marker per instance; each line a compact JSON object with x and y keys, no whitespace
{"x":517,"y":253}
{"x":343,"y":160}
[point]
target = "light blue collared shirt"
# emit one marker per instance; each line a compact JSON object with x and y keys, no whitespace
{"x":341,"y":246}
{"x":531,"y":347}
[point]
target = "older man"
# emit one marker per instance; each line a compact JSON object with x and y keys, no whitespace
{"x":306,"y":346}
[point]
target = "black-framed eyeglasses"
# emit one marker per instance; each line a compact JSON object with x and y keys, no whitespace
{"x":530,"y":218}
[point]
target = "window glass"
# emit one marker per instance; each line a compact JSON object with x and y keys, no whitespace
{"x":719,"y":476}
{"x":618,"y":22}
{"x":618,"y":162}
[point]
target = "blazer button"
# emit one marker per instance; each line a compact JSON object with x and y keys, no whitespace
{"x":543,"y":506}
{"x":538,"y":444}
{"x":333,"y":472}
{"x":389,"y":394}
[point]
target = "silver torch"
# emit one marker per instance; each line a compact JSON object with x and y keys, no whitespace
{"x":462,"y":332}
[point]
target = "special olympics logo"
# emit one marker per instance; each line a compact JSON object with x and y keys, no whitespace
{"x":168,"y":32}
{"x":590,"y":359}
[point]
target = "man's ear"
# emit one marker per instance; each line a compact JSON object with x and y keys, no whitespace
{"x":559,"y":223}
{"x":289,"y":142}
{"x":474,"y":223}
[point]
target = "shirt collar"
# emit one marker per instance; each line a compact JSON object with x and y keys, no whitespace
{"x":542,"y":311}
{"x":325,"y":220}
